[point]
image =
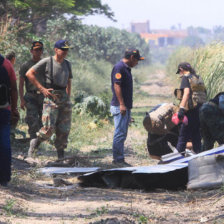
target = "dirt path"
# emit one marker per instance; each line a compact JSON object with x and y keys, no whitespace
{"x":30,"y":198}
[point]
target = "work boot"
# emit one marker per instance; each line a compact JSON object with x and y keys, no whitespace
{"x":34,"y":143}
{"x":60,"y":153}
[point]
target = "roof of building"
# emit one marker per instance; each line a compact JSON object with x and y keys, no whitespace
{"x":164,"y":33}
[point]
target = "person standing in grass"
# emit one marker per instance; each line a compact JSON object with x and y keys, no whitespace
{"x":121,"y":103}
{"x":32,"y":101}
{"x":57,"y":108}
{"x":192,"y":97}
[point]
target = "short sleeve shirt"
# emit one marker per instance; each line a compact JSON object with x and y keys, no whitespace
{"x":7,"y":64}
{"x":61,"y":71}
{"x":12,"y":76}
{"x":185,"y":83}
{"x":121,"y":75}
{"x":22,"y":72}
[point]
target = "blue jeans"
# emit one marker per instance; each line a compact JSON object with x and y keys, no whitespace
{"x":120,"y":132}
{"x":5,"y":148}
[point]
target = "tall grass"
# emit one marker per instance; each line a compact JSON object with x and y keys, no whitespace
{"x":93,"y":76}
{"x":208,"y":62}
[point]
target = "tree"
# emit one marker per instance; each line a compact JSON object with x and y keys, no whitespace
{"x":192,"y":41}
{"x":36,"y":13}
{"x":93,"y":41}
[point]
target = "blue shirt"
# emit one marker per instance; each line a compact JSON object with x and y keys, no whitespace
{"x":121,"y":75}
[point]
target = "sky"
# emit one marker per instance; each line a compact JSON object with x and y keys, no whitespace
{"x":162,"y":14}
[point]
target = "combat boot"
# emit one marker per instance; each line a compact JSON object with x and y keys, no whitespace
{"x":60,"y":153}
{"x":34,"y":143}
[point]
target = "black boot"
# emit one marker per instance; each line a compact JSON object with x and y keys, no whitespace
{"x":60,"y":153}
{"x":34,"y":143}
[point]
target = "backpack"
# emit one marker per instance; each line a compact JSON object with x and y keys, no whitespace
{"x":198,"y":92}
{"x":159,"y":119}
{"x":4,"y":85}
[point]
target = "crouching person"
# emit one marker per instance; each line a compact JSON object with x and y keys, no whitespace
{"x":211,"y":116}
{"x":161,"y":130}
{"x":158,"y":145}
{"x":57,"y":107}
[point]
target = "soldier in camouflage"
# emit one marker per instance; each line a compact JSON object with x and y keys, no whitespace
{"x":32,"y":101}
{"x":211,"y":116}
{"x":57,"y":108}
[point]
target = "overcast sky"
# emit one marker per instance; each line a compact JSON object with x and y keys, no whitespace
{"x":163,"y":14}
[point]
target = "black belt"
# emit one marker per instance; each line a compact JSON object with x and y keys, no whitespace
{"x":54,"y":87}
{"x":34,"y":91}
{"x":59,"y":88}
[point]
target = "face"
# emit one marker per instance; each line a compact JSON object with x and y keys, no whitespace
{"x":133,"y":61}
{"x":62,"y":53}
{"x":181,"y":73}
{"x":13,"y":60}
{"x":37,"y":53}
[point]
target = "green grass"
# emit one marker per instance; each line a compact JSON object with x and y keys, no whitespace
{"x":83,"y":134}
{"x":92,"y":136}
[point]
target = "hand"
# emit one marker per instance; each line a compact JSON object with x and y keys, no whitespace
{"x":181,"y":113}
{"x":123,"y":109}
{"x":47,"y":92}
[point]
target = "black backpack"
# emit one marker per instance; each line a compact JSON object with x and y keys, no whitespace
{"x":4,"y":85}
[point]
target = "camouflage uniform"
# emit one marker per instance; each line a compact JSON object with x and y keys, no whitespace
{"x":34,"y":101}
{"x":57,"y":119}
{"x":212,"y":124}
{"x":57,"y":112}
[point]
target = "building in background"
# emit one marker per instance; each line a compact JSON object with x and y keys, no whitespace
{"x":159,"y":38}
{"x":164,"y":38}
{"x":143,"y":27}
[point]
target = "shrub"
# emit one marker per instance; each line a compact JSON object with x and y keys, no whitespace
{"x":93,"y":106}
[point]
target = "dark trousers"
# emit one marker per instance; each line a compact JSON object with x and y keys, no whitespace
{"x":190,"y":132}
{"x":5,"y":148}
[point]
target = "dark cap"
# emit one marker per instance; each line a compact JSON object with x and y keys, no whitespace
{"x":185,"y":66}
{"x":61,"y":44}
{"x":37,"y":45}
{"x":133,"y":52}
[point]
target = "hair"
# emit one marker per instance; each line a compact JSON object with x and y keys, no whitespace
{"x":187,"y":67}
{"x":10,"y":55}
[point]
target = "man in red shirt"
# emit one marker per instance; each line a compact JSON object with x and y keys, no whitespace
{"x":8,"y":106}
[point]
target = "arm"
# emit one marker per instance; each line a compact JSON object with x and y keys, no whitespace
{"x":118,"y":92}
{"x":185,"y":98}
{"x":31,"y":76}
{"x":21,"y":92}
{"x":183,"y":103}
{"x":69,"y":87}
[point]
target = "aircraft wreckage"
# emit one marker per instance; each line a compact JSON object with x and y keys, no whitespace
{"x":203,"y":170}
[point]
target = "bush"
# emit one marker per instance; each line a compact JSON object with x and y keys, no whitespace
{"x":93,"y":106}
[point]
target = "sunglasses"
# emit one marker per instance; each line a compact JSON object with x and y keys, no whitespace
{"x":38,"y":49}
{"x":64,"y":49}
